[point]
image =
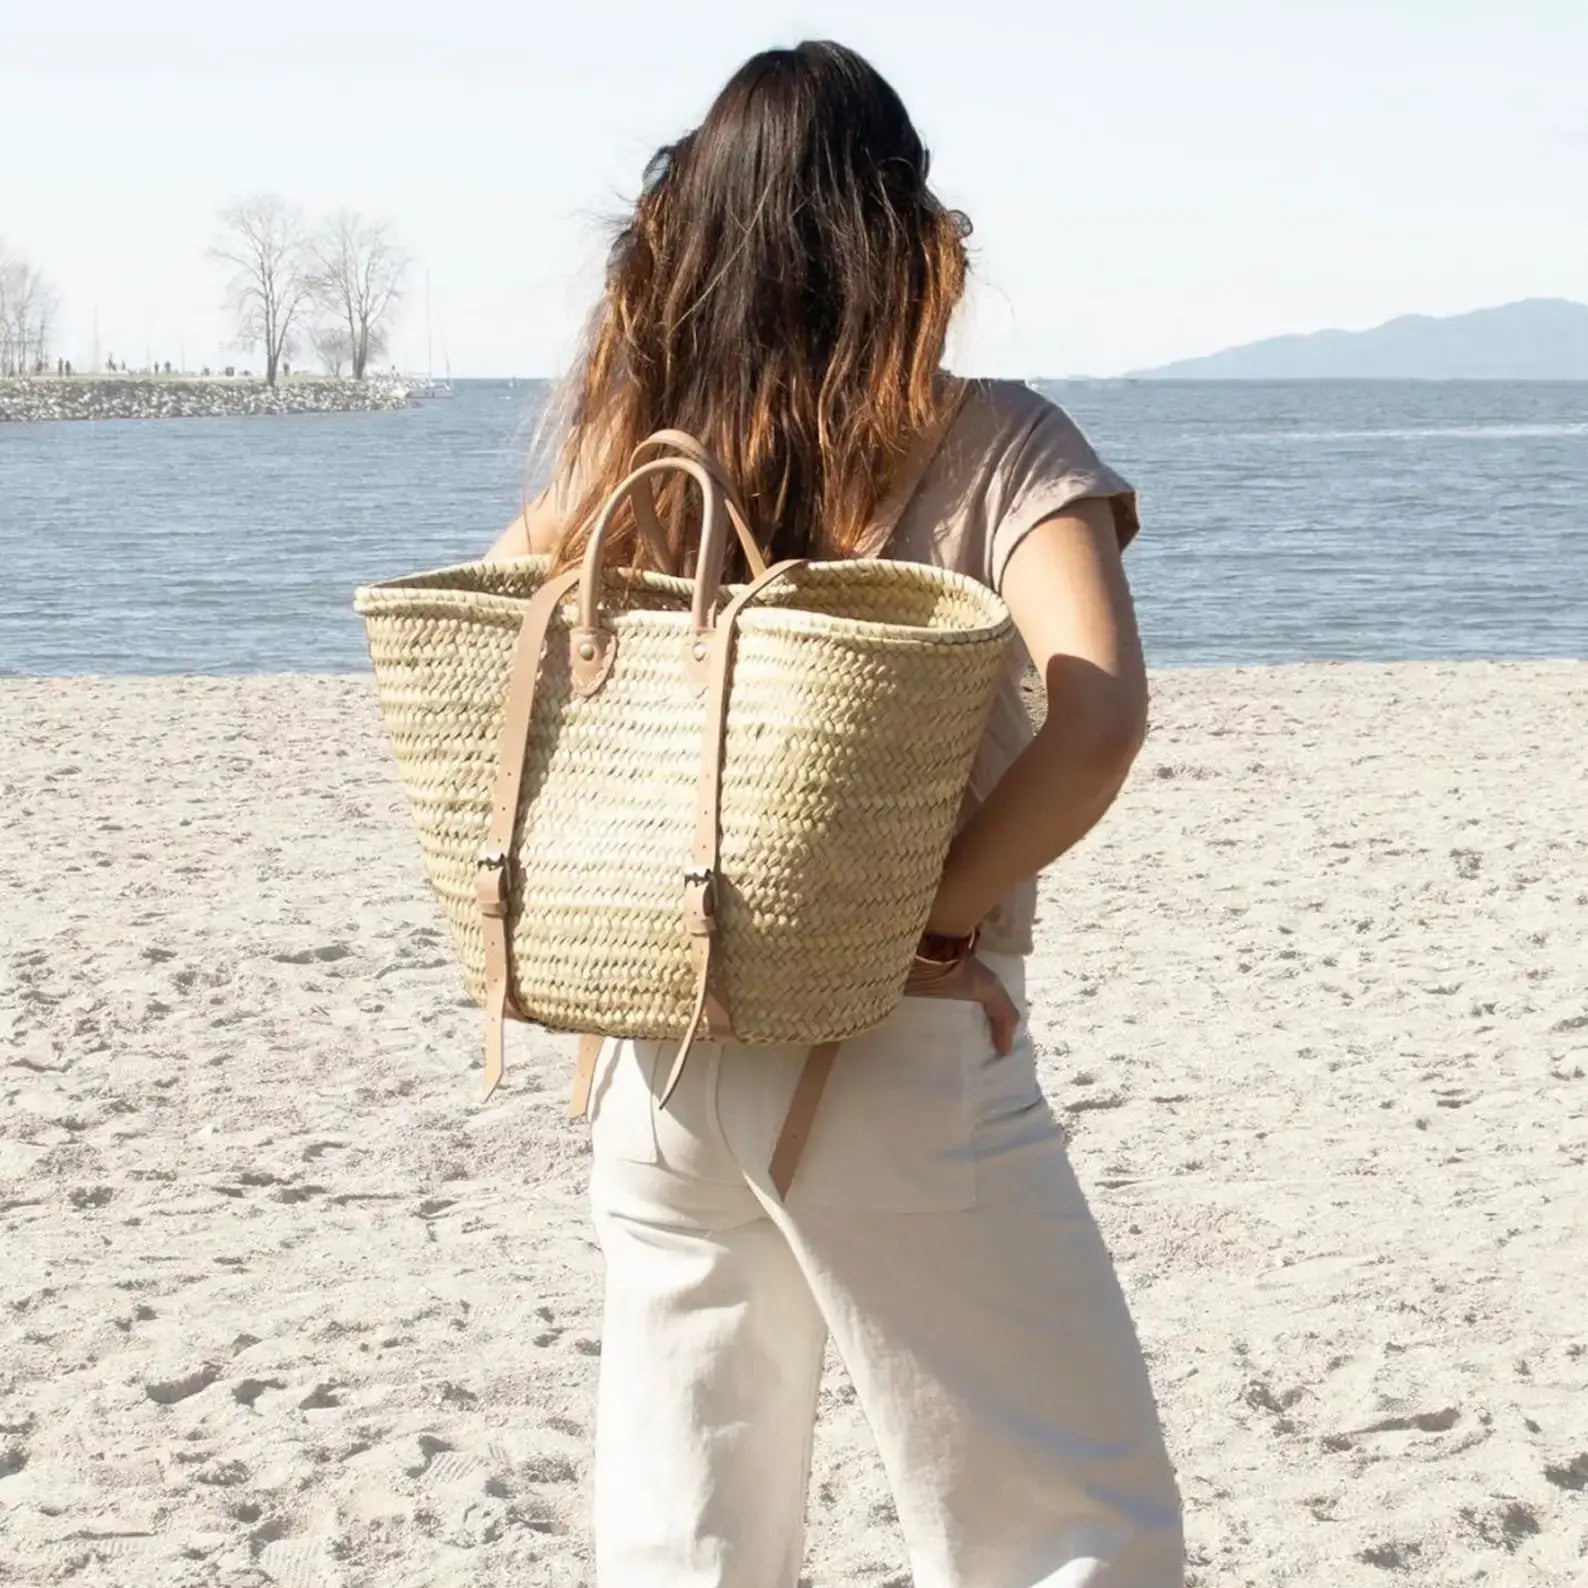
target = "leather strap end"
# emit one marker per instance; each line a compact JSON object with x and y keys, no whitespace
{"x":676,"y":1073}
{"x":697,"y":1016}
{"x":495,"y":1014}
{"x":584,"y":1075}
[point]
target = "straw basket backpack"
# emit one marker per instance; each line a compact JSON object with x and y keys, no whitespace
{"x":658,"y":807}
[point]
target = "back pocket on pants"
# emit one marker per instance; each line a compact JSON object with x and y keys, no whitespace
{"x":893,"y":1132}
{"x":623,"y":1100}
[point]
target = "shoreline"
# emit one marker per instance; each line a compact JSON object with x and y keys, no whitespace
{"x":1031,"y":687}
{"x":36,"y":399}
{"x":282,"y":1300}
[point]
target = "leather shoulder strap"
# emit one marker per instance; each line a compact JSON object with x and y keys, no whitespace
{"x":700,"y":880}
{"x":801,"y":1116}
{"x":493,"y":877}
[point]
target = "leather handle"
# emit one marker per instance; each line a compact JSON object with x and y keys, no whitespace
{"x":708,"y":566}
{"x":645,"y":501}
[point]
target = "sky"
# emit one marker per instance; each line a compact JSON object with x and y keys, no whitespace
{"x":1148,"y":179}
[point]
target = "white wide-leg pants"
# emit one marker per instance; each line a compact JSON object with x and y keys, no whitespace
{"x":936,"y":1230}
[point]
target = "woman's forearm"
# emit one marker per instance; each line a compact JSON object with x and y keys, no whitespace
{"x":1053,"y":794}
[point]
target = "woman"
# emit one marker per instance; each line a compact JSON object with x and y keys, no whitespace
{"x":782,"y":291}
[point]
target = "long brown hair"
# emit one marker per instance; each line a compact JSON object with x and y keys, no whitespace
{"x":782,"y":290}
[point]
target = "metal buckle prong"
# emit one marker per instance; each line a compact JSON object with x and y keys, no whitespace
{"x":700,"y":898}
{"x":490,"y":881}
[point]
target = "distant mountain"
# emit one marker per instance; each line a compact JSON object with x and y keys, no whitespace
{"x":1537,"y":339}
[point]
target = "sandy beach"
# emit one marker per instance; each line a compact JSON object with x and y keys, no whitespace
{"x":281,"y":1304}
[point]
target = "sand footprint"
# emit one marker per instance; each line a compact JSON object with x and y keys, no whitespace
{"x":295,"y":1562}
{"x":167,"y":1392}
{"x":327,"y":953}
{"x":430,"y":1448}
{"x":1439,"y":1422}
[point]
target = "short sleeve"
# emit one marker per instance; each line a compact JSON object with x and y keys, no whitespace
{"x":1050,"y":466}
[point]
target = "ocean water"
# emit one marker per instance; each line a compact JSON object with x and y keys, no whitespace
{"x":1282,"y":522}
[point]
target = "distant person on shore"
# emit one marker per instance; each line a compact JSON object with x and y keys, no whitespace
{"x":782,"y":291}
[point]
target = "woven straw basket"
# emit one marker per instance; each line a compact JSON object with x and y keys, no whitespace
{"x":853,"y":698}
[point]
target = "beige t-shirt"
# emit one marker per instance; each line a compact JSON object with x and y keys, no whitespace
{"x":1010,"y":459}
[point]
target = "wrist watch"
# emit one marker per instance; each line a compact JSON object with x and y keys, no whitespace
{"x":938,"y":948}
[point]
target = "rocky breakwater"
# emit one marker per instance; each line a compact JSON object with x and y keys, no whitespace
{"x":37,"y":397}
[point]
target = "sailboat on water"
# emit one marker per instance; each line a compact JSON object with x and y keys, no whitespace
{"x":430,"y":386}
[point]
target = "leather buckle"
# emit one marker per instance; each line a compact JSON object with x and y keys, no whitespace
{"x":700,"y":900}
{"x":490,"y":883}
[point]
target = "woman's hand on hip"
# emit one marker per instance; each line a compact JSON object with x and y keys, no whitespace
{"x":970,"y":981}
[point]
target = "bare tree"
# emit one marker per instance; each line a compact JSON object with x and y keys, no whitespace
{"x":8,"y":268}
{"x":28,"y":307}
{"x":268,"y":290}
{"x":332,"y":346}
{"x":356,"y":278}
